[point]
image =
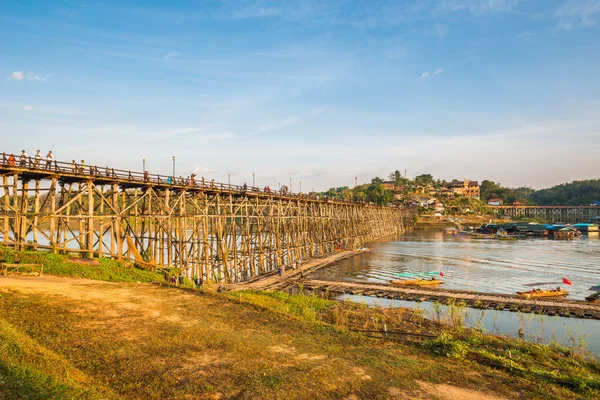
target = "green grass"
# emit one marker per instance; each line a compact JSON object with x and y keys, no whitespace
{"x":145,"y":341}
{"x":306,"y":307}
{"x":29,"y":370}
{"x":56,"y":264}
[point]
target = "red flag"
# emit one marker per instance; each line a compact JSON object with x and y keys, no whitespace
{"x":441,"y":273}
{"x":567,"y":282}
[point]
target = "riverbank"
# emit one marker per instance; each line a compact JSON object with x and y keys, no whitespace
{"x":141,"y":340}
{"x":458,"y":220}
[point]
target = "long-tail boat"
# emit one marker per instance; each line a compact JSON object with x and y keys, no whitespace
{"x":594,"y":297}
{"x":534,"y":293}
{"x":558,"y":292}
{"x":417,"y":282}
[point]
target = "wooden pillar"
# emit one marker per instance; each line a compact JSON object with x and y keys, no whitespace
{"x":90,"y":219}
{"x":52,"y":229}
{"x":183,"y":264}
{"x":6,"y":224}
{"x":101,"y":222}
{"x":17,"y":208}
{"x":23,"y":215}
{"x":116,"y":224}
{"x":169,"y":230}
{"x":36,"y":210}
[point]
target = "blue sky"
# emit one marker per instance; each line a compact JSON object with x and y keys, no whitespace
{"x":320,"y":91}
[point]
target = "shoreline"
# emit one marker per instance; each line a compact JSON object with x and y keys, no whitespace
{"x":272,"y":280}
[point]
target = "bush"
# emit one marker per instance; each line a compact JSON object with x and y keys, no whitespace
{"x":56,"y":264}
{"x":445,"y":344}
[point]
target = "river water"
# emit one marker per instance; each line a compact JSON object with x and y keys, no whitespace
{"x":484,"y":265}
{"x":493,"y":266}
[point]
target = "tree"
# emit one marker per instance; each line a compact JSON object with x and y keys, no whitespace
{"x":397,"y":178}
{"x":377,"y":193}
{"x":575,"y":193}
{"x":489,"y":190}
{"x":424,"y":179}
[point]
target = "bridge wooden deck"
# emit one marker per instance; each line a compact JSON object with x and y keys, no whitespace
{"x":66,"y":172}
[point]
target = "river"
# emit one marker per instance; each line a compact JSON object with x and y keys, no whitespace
{"x":483,"y":265}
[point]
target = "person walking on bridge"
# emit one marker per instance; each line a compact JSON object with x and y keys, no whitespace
{"x":23,"y":159}
{"x":49,"y":159}
{"x":38,"y":158}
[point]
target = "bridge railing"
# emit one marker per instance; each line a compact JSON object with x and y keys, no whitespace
{"x":80,"y":170}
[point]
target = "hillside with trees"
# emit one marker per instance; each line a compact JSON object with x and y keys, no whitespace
{"x":374,"y":192}
{"x":575,"y":193}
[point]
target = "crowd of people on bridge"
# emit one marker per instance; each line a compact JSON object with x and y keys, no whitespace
{"x":35,"y":162}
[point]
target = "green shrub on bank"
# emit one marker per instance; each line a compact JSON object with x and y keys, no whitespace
{"x":56,"y":264}
{"x":447,"y":345}
{"x":301,"y":305}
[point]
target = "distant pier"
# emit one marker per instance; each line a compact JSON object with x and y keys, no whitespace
{"x":552,"y":214}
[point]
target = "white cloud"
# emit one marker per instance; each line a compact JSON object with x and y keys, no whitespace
{"x":16,"y":76}
{"x":428,"y":74}
{"x":256,"y":12}
{"x":67,"y":12}
{"x":580,"y":13}
{"x":272,"y":125}
{"x":27,"y":107}
{"x":269,"y":126}
{"x":480,"y":6}
{"x":188,"y":131}
{"x":172,"y":54}
{"x":29,"y":76}
{"x":39,"y":78}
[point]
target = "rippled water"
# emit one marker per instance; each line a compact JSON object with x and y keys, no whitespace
{"x":485,"y":265}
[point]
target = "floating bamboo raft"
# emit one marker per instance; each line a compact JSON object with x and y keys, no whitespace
{"x":547,"y":306}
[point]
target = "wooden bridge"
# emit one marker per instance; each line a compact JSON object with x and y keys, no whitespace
{"x":552,"y":214}
{"x":221,"y":232}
